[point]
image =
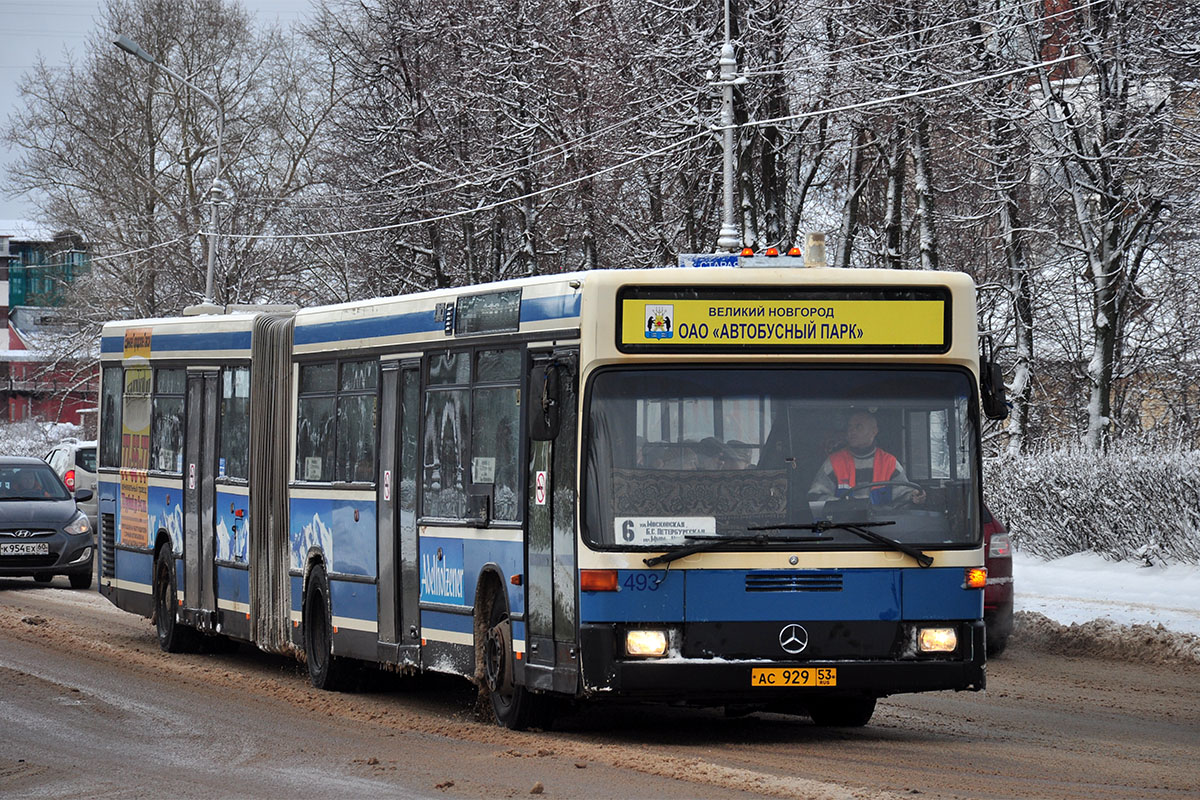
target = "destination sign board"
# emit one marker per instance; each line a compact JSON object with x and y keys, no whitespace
{"x":855,"y":319}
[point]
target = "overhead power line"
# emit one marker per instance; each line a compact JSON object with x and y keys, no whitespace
{"x":663,"y":151}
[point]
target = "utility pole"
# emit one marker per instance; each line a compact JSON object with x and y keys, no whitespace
{"x":729,"y":239}
{"x":216,"y":193}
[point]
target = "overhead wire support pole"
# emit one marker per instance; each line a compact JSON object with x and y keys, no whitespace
{"x":135,"y":49}
{"x":729,"y":239}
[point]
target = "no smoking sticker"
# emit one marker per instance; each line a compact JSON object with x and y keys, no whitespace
{"x":539,"y":487}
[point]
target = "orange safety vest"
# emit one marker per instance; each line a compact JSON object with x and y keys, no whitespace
{"x":884,"y":467}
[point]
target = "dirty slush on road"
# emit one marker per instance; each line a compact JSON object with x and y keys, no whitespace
{"x":664,"y":752}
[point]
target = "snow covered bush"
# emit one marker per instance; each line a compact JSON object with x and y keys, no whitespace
{"x":1134,"y":503}
{"x":33,"y":437}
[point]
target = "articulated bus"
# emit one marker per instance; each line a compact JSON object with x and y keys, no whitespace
{"x":644,"y":485}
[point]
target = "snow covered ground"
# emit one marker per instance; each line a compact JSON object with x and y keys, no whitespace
{"x":1084,"y":587}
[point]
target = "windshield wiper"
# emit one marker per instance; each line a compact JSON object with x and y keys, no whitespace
{"x":861,"y":529}
{"x":700,"y":545}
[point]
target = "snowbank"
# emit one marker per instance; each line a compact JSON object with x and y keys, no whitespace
{"x":1131,"y":504}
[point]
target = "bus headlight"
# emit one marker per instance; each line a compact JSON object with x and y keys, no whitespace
{"x":646,"y":644}
{"x":937,"y":640}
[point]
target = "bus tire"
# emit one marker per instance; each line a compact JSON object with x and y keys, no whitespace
{"x":514,"y":707}
{"x":325,"y":670}
{"x":841,"y":712}
{"x":173,"y":635}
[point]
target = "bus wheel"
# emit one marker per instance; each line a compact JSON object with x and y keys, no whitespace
{"x":173,"y":636}
{"x":515,"y":707}
{"x":325,"y":671}
{"x":841,"y":712}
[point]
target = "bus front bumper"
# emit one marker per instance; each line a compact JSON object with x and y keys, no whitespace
{"x":715,"y":681}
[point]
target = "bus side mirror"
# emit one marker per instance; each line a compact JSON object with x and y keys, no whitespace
{"x":544,"y":397}
{"x":991,"y":390}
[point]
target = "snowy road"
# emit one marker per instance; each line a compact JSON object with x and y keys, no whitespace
{"x":93,"y":708}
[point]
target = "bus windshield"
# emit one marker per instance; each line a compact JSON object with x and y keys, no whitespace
{"x":677,"y":456}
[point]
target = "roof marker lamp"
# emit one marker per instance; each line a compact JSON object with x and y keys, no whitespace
{"x":937,"y":640}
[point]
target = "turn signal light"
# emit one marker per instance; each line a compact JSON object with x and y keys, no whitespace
{"x":69,"y":480}
{"x":976,"y":578}
{"x":598,"y":580}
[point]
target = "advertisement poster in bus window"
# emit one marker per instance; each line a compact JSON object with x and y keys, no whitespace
{"x":135,"y":457}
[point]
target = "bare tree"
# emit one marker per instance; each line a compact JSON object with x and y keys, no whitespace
{"x":1116,"y":143}
{"x":118,"y":151}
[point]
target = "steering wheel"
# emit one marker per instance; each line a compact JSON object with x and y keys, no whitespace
{"x":864,"y":489}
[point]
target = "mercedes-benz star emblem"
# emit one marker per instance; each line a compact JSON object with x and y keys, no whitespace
{"x":793,"y":638}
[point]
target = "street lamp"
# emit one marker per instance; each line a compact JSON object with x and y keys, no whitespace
{"x":208,"y":306}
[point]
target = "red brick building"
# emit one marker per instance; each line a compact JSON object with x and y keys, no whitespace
{"x":36,"y":379}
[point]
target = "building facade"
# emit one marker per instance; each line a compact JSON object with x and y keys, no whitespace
{"x":37,"y":379}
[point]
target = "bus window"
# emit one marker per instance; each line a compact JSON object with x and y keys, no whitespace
{"x":445,"y":489}
{"x":717,"y":452}
{"x":233,"y":453}
{"x":336,"y":419}
{"x":356,"y":421}
{"x":166,"y":425}
{"x":494,"y":446}
{"x":110,"y":417}
{"x":315,"y":410}
{"x":472,"y":432}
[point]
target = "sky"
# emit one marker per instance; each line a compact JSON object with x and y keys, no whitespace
{"x":55,"y":27}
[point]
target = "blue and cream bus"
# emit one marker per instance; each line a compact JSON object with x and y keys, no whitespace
{"x":581,"y":487}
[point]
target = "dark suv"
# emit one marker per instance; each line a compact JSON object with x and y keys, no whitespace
{"x":42,"y":533}
{"x":998,"y":595}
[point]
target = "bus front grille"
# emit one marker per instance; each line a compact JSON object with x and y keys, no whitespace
{"x":794,"y":582}
{"x":108,"y":556}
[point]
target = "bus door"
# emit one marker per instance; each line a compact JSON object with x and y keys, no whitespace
{"x":399,"y":578}
{"x":199,"y":492}
{"x":551,"y":617}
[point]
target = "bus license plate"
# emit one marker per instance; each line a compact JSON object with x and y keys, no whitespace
{"x":793,"y":676}
{"x":25,"y":549}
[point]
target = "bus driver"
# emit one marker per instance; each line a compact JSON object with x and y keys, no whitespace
{"x":860,"y":463}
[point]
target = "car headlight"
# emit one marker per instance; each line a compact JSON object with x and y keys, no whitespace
{"x":79,"y":525}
